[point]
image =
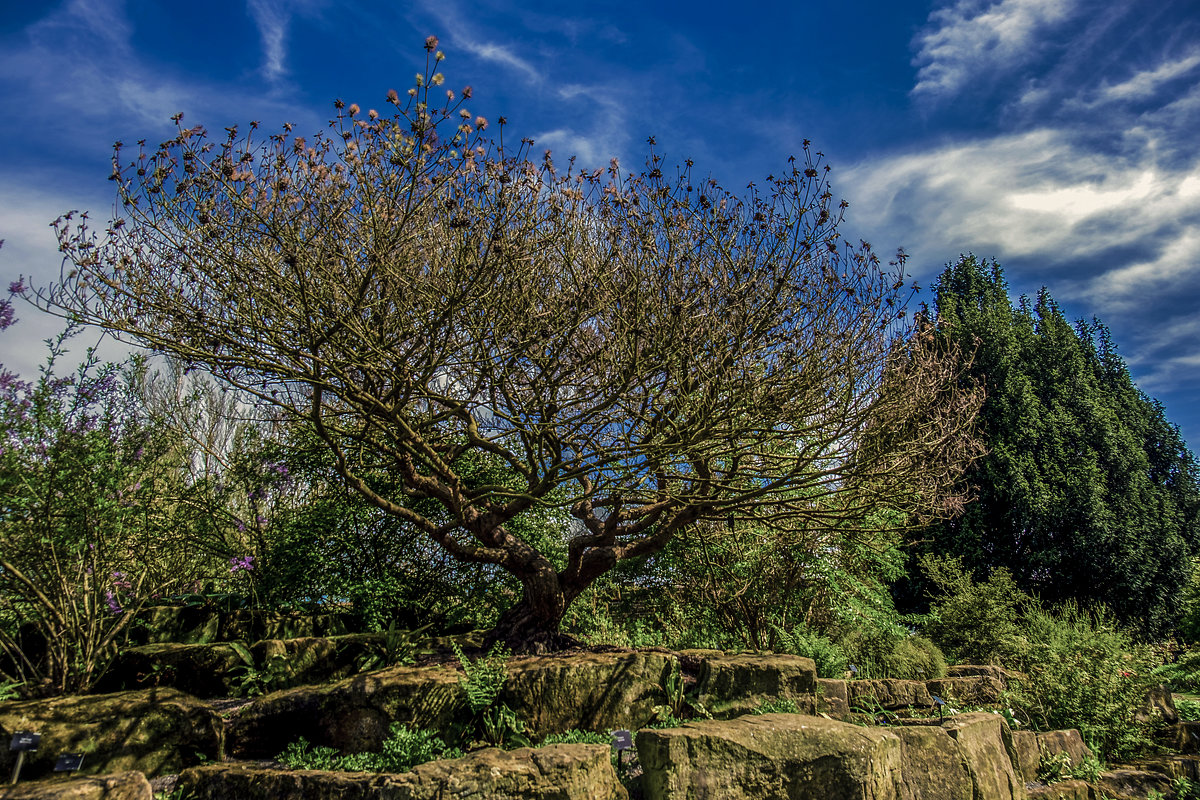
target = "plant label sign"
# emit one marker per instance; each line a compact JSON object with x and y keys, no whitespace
{"x":24,"y":741}
{"x":69,"y":762}
{"x":622,"y":740}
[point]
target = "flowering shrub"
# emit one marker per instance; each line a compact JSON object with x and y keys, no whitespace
{"x":76,"y":491}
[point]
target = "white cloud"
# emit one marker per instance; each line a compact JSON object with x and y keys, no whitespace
{"x":499,"y":54}
{"x":1021,"y":193}
{"x":1127,"y":288}
{"x":1147,"y":82}
{"x":970,"y":38}
{"x":272,"y":19}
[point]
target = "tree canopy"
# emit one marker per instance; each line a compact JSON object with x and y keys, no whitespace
{"x":1087,"y":492}
{"x":645,"y":350}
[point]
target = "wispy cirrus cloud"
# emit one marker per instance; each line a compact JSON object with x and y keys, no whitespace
{"x":1146,"y":82}
{"x":972,"y":38}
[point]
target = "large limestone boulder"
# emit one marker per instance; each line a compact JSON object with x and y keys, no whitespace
{"x":154,"y":731}
{"x":587,"y":691}
{"x":119,"y":786}
{"x":833,"y":697}
{"x":1159,"y":704}
{"x":1062,"y":790}
{"x":555,"y":693}
{"x":970,"y":690}
{"x":789,"y":756}
{"x":769,"y":756}
{"x":889,"y":694}
{"x":1127,"y":784}
{"x":729,"y":685}
{"x":1029,"y":756}
{"x":353,"y":715}
{"x":1051,"y":743}
{"x":988,"y":670}
{"x":931,"y":765}
{"x":555,"y":772}
{"x":202,"y":670}
{"x":985,"y":742}
{"x":215,"y":669}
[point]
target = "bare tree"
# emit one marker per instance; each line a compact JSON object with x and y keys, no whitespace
{"x":651,"y":347}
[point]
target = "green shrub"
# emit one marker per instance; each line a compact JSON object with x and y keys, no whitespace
{"x":914,"y":658}
{"x":1188,"y":709}
{"x":971,"y":621}
{"x":829,"y":657}
{"x":1084,"y":672}
{"x":1184,"y":674}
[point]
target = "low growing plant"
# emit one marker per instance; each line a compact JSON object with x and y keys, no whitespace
{"x":253,"y":679}
{"x":404,"y":749}
{"x":493,"y":722}
{"x":780,"y":705}
{"x":398,"y":647}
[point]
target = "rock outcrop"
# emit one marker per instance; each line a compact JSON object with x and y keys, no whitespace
{"x":555,"y":772}
{"x":729,"y":685}
{"x":154,"y":731}
{"x":119,"y":786}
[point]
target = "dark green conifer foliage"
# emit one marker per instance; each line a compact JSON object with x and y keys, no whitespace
{"x":1087,"y":491}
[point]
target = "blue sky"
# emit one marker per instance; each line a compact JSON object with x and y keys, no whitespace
{"x":1058,"y":136}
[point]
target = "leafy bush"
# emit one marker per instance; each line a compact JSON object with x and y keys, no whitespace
{"x":1187,"y":709}
{"x":914,"y":658}
{"x":972,"y":621}
{"x":1184,"y":674}
{"x":1084,"y":672}
{"x":829,"y":657}
{"x":404,"y":749}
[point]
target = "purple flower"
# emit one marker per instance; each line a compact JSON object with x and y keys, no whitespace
{"x":245,"y":563}
{"x":17,"y":286}
{"x":111,"y":599}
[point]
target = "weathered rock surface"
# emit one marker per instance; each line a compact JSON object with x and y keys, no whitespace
{"x":353,"y":715}
{"x":787,"y":756}
{"x":214,"y":669}
{"x":833,"y":697}
{"x":154,"y":731}
{"x":932,"y":766}
{"x":1067,"y":741}
{"x":555,"y":772}
{"x":986,"y":745}
{"x":1181,"y":766}
{"x":891,"y":695}
{"x":1159,"y":704}
{"x":587,"y":691}
{"x":203,"y":670}
{"x":119,"y":786}
{"x":732,"y":684}
{"x":1119,"y":784}
{"x":1186,"y":736}
{"x":1029,"y":756}
{"x":1063,"y":790}
{"x":967,"y":689}
{"x":769,"y":756}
